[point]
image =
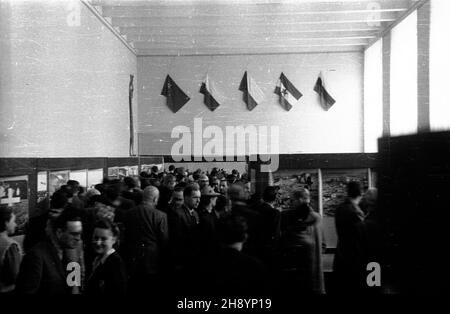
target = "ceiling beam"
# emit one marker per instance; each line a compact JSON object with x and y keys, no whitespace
{"x":246,"y":36}
{"x":254,"y":45}
{"x":386,"y":30}
{"x":247,"y":51}
{"x":142,"y":22}
{"x":226,"y":31}
{"x":215,"y":5}
{"x":238,"y":11}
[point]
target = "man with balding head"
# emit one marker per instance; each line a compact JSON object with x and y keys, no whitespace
{"x":146,"y":240}
{"x":239,"y":207}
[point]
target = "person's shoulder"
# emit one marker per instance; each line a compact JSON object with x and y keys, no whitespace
{"x":40,"y":249}
{"x":115,"y":258}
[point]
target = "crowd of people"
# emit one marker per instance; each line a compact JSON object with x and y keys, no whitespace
{"x":173,"y":231}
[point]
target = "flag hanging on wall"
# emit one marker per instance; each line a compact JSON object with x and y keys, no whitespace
{"x":130,"y":103}
{"x":212,"y":98}
{"x":253,"y":95}
{"x":326,"y":100}
{"x":176,"y":98}
{"x":287,"y":92}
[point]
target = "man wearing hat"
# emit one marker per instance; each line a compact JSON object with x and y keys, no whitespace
{"x":203,"y":181}
{"x":207,"y":220}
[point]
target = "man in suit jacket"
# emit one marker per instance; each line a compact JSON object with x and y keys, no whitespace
{"x":347,"y":218}
{"x":43,"y":269}
{"x":146,"y":241}
{"x":184,"y":228}
{"x":269,"y":227}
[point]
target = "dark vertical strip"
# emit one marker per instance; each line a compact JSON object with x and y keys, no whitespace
{"x":387,"y":84}
{"x":32,"y":188}
{"x":423,"y":67}
{"x":130,"y":101}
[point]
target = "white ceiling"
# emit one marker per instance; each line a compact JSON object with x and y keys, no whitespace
{"x":200,"y":27}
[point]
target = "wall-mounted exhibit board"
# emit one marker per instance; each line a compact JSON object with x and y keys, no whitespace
{"x":56,"y":179}
{"x":45,"y":175}
{"x":95,"y":176}
{"x":290,"y":180}
{"x":14,"y":193}
{"x":42,"y":185}
{"x":325,"y":175}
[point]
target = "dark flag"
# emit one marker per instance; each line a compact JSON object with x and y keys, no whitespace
{"x":176,"y":98}
{"x":320,"y":88}
{"x":130,"y":102}
{"x":212,"y":98}
{"x":287,"y":92}
{"x":253,"y":95}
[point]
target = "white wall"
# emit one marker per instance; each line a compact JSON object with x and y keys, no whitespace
{"x":63,"y":86}
{"x":440,"y":65}
{"x":373,"y":96}
{"x":403,"y":107}
{"x":307,"y":128}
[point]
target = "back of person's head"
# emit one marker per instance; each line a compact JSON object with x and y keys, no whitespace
{"x":73,"y":186}
{"x":66,"y":190}
{"x":221,"y":203}
{"x":155,"y":169}
{"x":171,"y":168}
{"x":169,"y":180}
{"x":58,"y":200}
{"x":112,"y":192}
{"x":270,"y":194}
{"x":6,"y":213}
{"x":100,"y":187}
{"x":73,"y":183}
{"x":354,"y":189}
{"x":232,"y":229}
{"x":150,"y":194}
{"x":190,"y":188}
{"x":236,"y":192}
{"x":129,"y":182}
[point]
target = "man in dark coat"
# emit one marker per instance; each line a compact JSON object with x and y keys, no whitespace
{"x":184,"y":228}
{"x":233,"y":272}
{"x":346,"y":266}
{"x":239,"y":207}
{"x":146,"y":241}
{"x":270,"y":224}
{"x":43,"y":269}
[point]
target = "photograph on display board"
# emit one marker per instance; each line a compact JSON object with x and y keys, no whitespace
{"x":80,"y":176}
{"x":133,"y":171}
{"x":57,"y":179}
{"x":334,"y":184}
{"x":42,"y":186}
{"x":291,"y":180}
{"x":123,"y":172}
{"x":14,"y":193}
{"x":113,"y":172}
{"x":94,"y":177}
{"x":148,"y":168}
